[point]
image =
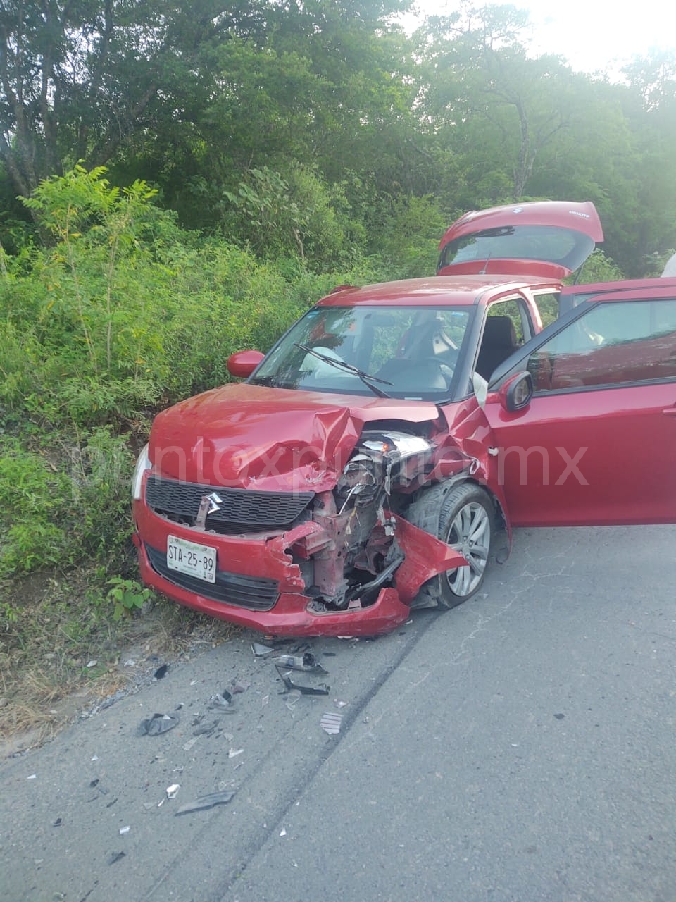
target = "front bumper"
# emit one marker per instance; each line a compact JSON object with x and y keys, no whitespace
{"x":257,"y":584}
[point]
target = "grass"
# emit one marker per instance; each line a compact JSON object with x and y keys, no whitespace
{"x":61,"y":650}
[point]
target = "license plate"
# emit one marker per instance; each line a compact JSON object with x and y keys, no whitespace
{"x":191,"y":558}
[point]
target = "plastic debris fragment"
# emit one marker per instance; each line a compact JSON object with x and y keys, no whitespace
{"x":114,"y":857}
{"x":206,"y":728}
{"x":32,"y":777}
{"x":259,"y":650}
{"x":158,"y":723}
{"x":124,"y":830}
{"x":304,"y":690}
{"x":91,"y":664}
{"x":233,"y":753}
{"x":173,"y":790}
{"x":306,"y":663}
{"x":208,"y":801}
{"x":282,"y":832}
{"x":338,"y":703}
{"x":222,"y":702}
{"x":330,"y":722}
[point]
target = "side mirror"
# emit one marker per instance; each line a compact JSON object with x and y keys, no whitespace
{"x":243,"y":363}
{"x":516,"y":393}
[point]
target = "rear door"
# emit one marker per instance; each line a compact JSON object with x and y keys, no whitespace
{"x":597,"y":443}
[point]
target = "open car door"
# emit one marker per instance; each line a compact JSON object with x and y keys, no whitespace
{"x":583,"y":416}
{"x":549,"y":239}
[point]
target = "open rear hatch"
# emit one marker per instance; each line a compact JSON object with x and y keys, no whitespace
{"x":549,"y":239}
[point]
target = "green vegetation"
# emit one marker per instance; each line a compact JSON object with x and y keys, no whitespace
{"x":256,"y":154}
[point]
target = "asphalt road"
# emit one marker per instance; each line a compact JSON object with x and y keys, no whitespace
{"x":519,"y":748}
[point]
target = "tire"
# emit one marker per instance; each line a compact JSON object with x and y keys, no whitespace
{"x":463,"y":516}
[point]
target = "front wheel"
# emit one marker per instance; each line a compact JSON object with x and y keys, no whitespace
{"x":464,"y":518}
{"x":466,"y":524}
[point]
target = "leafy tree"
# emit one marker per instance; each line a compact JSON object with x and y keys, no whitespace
{"x":79,"y":79}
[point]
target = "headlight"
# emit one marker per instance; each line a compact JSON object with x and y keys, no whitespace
{"x":403,"y":443}
{"x":142,"y":464}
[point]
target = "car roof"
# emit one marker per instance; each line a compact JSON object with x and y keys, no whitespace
{"x":597,"y":291}
{"x":466,"y":290}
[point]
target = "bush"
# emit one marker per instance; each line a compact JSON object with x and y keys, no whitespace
{"x":120,"y":315}
{"x":62,"y":503}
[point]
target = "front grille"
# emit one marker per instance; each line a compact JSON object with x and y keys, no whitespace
{"x":241,"y":510}
{"x":250,"y":592}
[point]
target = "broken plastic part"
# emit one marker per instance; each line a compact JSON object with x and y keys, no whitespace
{"x":260,"y":650}
{"x":206,"y":728}
{"x":172,"y":790}
{"x":305,"y":663}
{"x":233,"y":753}
{"x":304,"y":690}
{"x":331,"y":722}
{"x":158,"y":723}
{"x":222,"y":702}
{"x":209,"y":801}
{"x":124,"y":830}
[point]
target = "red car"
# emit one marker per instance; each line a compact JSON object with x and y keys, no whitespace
{"x":367,"y":462}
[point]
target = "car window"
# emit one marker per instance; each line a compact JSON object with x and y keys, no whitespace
{"x":405,"y":352}
{"x":611,"y":344}
{"x":548,"y":305}
{"x":507,"y":327}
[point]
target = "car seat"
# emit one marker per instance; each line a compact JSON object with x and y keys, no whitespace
{"x":498,"y":342}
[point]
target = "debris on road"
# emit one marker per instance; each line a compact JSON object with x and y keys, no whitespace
{"x":260,"y":651}
{"x":306,"y":663}
{"x":205,"y":729}
{"x":173,"y":790}
{"x":233,"y":753}
{"x":161,"y":672}
{"x":208,"y":801}
{"x":331,"y":722}
{"x":114,"y":857}
{"x":223,"y":702}
{"x":158,"y":723}
{"x":124,"y":830}
{"x":304,"y":690}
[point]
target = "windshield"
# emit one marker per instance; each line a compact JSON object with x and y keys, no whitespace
{"x":399,"y":352}
{"x":551,"y":244}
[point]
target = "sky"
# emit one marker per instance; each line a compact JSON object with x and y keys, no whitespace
{"x":592,"y":35}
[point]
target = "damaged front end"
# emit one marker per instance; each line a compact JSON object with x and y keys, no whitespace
{"x":363,"y":549}
{"x":355,"y":552}
{"x":345,"y":561}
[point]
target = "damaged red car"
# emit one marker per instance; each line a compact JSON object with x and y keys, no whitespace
{"x":369,"y":462}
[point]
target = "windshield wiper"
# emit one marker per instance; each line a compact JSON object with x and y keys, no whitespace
{"x":267,"y":381}
{"x":366,"y":378}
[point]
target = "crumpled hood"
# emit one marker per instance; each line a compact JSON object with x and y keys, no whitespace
{"x":249,"y":436}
